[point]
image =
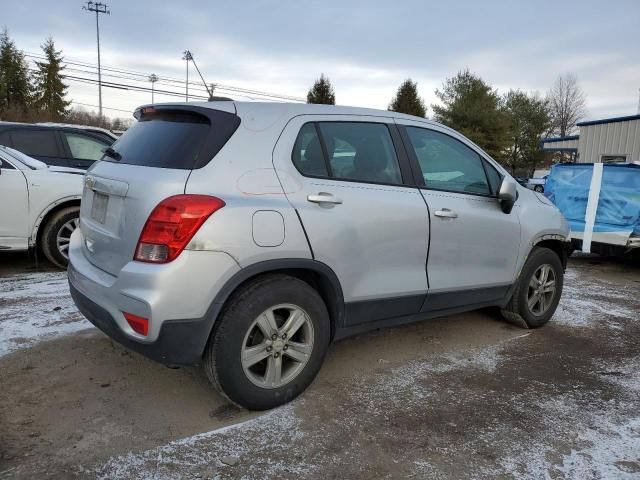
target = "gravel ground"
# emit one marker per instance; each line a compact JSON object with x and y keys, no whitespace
{"x":465,"y":396}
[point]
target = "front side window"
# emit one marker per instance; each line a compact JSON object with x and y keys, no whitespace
{"x":495,"y":179}
{"x":448,"y":164}
{"x":85,"y":148}
{"x":357,"y":151}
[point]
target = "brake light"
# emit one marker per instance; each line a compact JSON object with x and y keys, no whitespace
{"x":138,"y":324}
{"x":172,"y":224}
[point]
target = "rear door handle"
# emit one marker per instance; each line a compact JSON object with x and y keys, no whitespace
{"x":324,"y":197}
{"x":445,"y":213}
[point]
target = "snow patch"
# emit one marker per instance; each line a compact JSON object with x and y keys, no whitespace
{"x":35,"y":307}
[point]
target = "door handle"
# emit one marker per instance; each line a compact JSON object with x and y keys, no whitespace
{"x":445,"y":213}
{"x":324,"y":197}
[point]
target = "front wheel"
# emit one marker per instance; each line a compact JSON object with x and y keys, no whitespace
{"x":539,"y":188}
{"x":269,"y":343}
{"x":539,"y":288}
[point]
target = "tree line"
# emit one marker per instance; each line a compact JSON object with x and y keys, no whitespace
{"x":39,"y":95}
{"x":507,"y":126}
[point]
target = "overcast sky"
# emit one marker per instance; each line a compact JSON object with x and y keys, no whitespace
{"x":366,"y":48}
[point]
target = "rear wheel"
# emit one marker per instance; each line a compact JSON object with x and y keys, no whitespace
{"x":56,"y":235}
{"x":269,"y":343}
{"x":539,"y":288}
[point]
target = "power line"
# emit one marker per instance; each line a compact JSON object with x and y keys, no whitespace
{"x":163,"y":79}
{"x":104,"y":108}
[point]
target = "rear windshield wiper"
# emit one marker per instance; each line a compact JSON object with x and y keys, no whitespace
{"x":110,"y":152}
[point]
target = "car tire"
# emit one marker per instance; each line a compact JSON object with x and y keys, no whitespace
{"x":56,"y":234}
{"x":242,"y":331}
{"x":531,"y":303}
{"x":539,"y":188}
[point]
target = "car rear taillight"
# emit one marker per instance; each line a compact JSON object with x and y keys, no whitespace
{"x":138,"y":324}
{"x":172,"y":224}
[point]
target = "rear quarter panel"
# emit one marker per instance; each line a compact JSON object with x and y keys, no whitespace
{"x":242,"y":175}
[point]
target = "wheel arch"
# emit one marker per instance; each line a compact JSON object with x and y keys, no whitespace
{"x":316,"y":274}
{"x":47,"y":213}
{"x":557,"y":244}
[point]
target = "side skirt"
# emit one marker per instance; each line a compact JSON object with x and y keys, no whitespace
{"x":361,"y":317}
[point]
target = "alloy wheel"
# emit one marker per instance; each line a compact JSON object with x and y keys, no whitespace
{"x":541,"y":290}
{"x":63,"y":237}
{"x":277,"y":346}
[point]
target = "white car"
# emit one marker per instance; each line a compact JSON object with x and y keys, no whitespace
{"x":536,"y":184}
{"x":39,"y":205}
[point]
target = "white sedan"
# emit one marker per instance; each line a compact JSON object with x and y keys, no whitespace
{"x":39,"y":205}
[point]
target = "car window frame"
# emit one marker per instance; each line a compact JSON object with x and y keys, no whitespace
{"x":406,"y":175}
{"x":417,"y":170}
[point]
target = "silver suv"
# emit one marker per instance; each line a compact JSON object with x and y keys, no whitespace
{"x":247,"y":236}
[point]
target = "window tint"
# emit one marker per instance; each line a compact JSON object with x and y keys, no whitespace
{"x":5,"y":139}
{"x":175,"y":139}
{"x":84,"y":147}
{"x":495,"y":179}
{"x":448,"y":164}
{"x":307,"y":153}
{"x":36,"y":142}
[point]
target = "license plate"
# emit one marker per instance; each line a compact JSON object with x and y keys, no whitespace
{"x":99,"y":207}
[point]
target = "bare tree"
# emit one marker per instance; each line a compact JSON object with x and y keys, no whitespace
{"x":567,"y":104}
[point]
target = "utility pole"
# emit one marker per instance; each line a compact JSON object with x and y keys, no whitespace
{"x":187,"y":56}
{"x":153,"y":78}
{"x":98,"y":8}
{"x":639,"y":101}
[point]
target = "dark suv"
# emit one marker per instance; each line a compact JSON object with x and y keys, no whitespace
{"x":57,"y":144}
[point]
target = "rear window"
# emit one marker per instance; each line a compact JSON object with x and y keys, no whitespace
{"x":175,"y":139}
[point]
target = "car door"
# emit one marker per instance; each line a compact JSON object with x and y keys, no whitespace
{"x":349,"y":181}
{"x":83,"y":148}
{"x":474,"y":245}
{"x":14,"y":207}
{"x":41,"y":143}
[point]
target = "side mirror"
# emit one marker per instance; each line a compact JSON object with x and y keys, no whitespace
{"x":508,"y":194}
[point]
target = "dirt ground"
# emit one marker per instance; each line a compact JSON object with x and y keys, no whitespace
{"x":465,"y":396}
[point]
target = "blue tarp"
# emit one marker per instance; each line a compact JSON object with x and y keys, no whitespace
{"x":618,"y":207}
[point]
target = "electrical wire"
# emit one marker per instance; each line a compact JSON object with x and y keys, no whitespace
{"x":131,"y":74}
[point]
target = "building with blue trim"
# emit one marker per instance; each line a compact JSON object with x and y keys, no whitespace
{"x":610,"y":140}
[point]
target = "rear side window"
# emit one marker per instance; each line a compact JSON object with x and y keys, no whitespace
{"x":177,"y":139}
{"x":356,"y":151}
{"x":36,"y":143}
{"x":307,"y":153}
{"x":84,"y":147}
{"x":448,"y":164}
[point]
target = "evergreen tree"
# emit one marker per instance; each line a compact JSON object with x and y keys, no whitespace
{"x":322,"y":92}
{"x":472,"y":107}
{"x":15,"y":89}
{"x":529,"y":119}
{"x":50,"y":91}
{"x":407,"y":100}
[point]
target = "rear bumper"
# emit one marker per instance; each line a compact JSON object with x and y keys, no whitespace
{"x":177,"y":298}
{"x":180,"y":342}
